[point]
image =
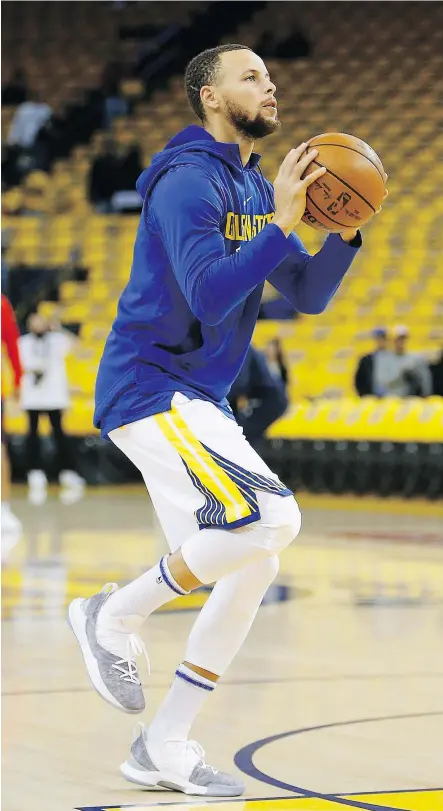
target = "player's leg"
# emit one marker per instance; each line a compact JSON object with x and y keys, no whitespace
{"x":216,"y":637}
{"x":67,"y":474}
{"x":204,"y":557}
{"x":256,"y":514}
{"x":37,"y":481}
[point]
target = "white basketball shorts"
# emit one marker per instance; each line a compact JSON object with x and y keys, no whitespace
{"x":198,"y":467}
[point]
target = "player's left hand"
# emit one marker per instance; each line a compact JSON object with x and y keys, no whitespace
{"x":348,"y":234}
{"x":384,"y":198}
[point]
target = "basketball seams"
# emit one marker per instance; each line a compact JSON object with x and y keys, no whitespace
{"x":337,"y":177}
{"x":351,"y":149}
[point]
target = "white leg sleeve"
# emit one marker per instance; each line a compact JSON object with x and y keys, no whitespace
{"x":226,"y":618}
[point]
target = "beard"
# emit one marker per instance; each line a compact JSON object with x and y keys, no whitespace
{"x":257,"y":127}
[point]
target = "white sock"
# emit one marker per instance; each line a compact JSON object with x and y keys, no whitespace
{"x":6,"y":506}
{"x":126,"y":609}
{"x":181,"y":706}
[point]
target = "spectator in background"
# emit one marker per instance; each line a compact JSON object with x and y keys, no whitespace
{"x":115,"y":104}
{"x":436,"y":370}
{"x":5,"y":243}
{"x":257,"y":397}
{"x":294,"y":46}
{"x":16,"y":91}
{"x":10,"y":336}
{"x":126,"y":198}
{"x":29,"y":118}
{"x":101,"y":182}
{"x":45,"y":390}
{"x":276,"y":362}
{"x":49,"y":139}
{"x":401,"y":373}
{"x":364,"y":376}
{"x":113,"y":176}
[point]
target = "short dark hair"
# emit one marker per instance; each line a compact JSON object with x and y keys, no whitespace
{"x":203,"y":70}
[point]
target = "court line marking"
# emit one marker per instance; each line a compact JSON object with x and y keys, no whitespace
{"x":198,"y":800}
{"x":226,"y":800}
{"x":243,"y":760}
{"x":239,"y":682}
{"x":391,"y":791}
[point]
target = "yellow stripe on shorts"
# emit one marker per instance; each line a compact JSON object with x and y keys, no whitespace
{"x":197,"y":458}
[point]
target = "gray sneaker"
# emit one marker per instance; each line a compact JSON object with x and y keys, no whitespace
{"x":178,"y":765}
{"x":114,"y":677}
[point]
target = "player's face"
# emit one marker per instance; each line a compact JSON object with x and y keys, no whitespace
{"x":246,"y":94}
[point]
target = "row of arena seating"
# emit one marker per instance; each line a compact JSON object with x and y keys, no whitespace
{"x":414,"y":420}
{"x":67,"y":45}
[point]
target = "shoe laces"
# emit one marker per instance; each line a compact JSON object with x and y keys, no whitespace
{"x":127,"y":666}
{"x":198,"y":750}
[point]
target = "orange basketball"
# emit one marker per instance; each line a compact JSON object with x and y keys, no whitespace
{"x":351,"y":190}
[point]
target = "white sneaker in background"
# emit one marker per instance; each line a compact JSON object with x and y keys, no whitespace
{"x":9,"y":521}
{"x":11,"y":530}
{"x":37,"y":484}
{"x":72,"y":487}
{"x":69,"y":478}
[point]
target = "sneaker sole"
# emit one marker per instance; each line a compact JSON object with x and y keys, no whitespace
{"x":171,"y":780}
{"x":77,"y":623}
{"x":162,"y":779}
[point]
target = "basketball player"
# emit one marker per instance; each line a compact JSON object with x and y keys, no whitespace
{"x":212,"y":230}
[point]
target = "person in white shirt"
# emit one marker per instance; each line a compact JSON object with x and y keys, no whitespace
{"x":45,"y":390}
{"x":28,"y":120}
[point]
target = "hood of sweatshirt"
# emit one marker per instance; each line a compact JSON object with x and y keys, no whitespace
{"x":193,"y":140}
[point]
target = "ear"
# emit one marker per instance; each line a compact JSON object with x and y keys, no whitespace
{"x":209,"y":98}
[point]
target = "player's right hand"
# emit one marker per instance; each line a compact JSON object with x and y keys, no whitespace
{"x":290,"y":188}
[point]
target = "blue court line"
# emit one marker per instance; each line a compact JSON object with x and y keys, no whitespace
{"x":259,"y":799}
{"x":241,"y":682}
{"x":243,"y":761}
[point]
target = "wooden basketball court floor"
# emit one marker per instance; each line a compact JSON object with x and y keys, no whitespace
{"x":335,"y":702}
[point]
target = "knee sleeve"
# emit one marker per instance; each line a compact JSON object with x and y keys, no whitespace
{"x":280,"y":521}
{"x":227,"y":616}
{"x":214,"y":553}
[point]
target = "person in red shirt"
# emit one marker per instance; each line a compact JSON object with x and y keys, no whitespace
{"x":10,"y":335}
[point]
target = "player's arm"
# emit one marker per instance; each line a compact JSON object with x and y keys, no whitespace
{"x":10,"y":337}
{"x":187,"y":210}
{"x":309,"y":282}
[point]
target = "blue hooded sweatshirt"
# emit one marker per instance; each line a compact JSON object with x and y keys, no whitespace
{"x":205,"y":246}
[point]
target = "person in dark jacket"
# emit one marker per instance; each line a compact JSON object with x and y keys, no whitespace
{"x":364,"y":381}
{"x":17,"y":90}
{"x":115,"y":170}
{"x":275,"y":359}
{"x":436,"y":370}
{"x":265,"y":393}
